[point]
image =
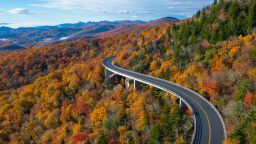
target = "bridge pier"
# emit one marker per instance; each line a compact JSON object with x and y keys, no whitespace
{"x":108,"y":73}
{"x":135,"y":85}
{"x":128,"y":82}
{"x":182,"y":105}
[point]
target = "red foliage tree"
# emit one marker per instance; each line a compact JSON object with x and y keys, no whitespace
{"x":80,"y":137}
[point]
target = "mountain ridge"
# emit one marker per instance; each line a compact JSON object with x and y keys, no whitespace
{"x":25,"y":37}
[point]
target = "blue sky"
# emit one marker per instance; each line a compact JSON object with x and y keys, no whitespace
{"x":16,"y":13}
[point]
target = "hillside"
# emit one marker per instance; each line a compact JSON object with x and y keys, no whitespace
{"x":58,"y":94}
{"x":217,"y":62}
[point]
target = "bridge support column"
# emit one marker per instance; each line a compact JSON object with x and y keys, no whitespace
{"x":137,"y":85}
{"x":108,"y":73}
{"x":128,"y":82}
{"x":182,"y":104}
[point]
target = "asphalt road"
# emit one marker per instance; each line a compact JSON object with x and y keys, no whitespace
{"x":209,"y":125}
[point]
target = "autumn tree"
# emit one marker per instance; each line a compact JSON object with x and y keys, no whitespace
{"x":212,"y":87}
{"x":153,"y":65}
{"x":97,"y":116}
{"x":80,"y":137}
{"x":249,"y":99}
{"x":81,"y":107}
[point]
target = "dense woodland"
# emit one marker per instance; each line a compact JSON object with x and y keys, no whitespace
{"x":57,"y":94}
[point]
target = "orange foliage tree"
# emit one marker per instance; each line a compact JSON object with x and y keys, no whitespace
{"x":248,"y":99}
{"x":211,"y":86}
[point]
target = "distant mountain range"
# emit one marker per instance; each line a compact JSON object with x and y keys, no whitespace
{"x":24,"y":37}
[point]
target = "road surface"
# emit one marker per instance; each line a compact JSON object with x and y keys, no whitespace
{"x":209,"y":125}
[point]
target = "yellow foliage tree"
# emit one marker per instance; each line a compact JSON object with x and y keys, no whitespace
{"x":251,"y":73}
{"x":98,"y":115}
{"x":153,"y":65}
{"x":136,"y":110}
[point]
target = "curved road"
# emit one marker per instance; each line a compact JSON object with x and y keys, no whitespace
{"x":209,"y":125}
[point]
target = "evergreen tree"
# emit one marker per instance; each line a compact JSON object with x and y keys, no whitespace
{"x":155,"y":135}
{"x":251,"y":19}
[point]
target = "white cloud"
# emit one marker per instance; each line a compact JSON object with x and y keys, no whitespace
{"x":83,"y":5}
{"x":4,"y":39}
{"x":17,"y":25}
{"x":64,"y":38}
{"x":19,"y":11}
{"x":124,"y":11}
{"x":134,"y":17}
{"x":23,"y":11}
{"x":125,"y":7}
